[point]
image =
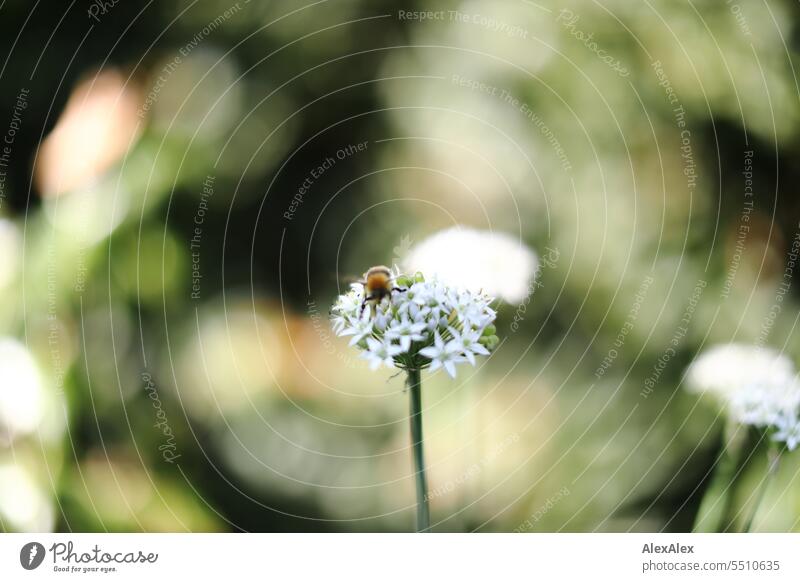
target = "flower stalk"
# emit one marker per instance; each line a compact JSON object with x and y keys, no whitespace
{"x":773,"y":462}
{"x":415,"y":418}
{"x":417,"y":325}
{"x":716,"y":509}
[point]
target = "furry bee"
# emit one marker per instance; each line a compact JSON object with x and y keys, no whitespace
{"x":378,"y":283}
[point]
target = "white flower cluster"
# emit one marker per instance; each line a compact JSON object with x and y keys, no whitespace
{"x":758,"y":387}
{"x":475,"y":259}
{"x":424,"y":324}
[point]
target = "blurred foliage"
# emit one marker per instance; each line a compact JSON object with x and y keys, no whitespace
{"x":276,"y":425}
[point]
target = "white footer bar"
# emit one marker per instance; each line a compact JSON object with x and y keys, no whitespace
{"x":390,"y":557}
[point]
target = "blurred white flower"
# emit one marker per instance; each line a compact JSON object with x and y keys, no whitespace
{"x":21,"y":392}
{"x":762,"y":402}
{"x":757,"y":387}
{"x":424,"y":325}
{"x":494,"y":263}
{"x":788,"y":430}
{"x":23,"y":505}
{"x":725,"y":369}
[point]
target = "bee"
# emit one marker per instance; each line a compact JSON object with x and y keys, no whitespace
{"x":378,"y":283}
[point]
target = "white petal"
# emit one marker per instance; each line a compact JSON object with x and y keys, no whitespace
{"x":479,"y":349}
{"x":430,"y":352}
{"x":394,"y":350}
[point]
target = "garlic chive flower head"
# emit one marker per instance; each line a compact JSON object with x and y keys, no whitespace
{"x":474,"y":259}
{"x":756,"y":387}
{"x":787,"y":430}
{"x":423,"y":324}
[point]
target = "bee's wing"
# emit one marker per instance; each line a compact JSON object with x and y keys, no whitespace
{"x":345,"y":279}
{"x":355,"y":283}
{"x":350,"y":279}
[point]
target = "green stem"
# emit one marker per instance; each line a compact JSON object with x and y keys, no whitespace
{"x":415,"y":393}
{"x":714,"y":513}
{"x":773,"y":458}
{"x":741,"y":449}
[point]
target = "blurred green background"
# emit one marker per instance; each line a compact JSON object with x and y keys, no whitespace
{"x":166,"y":361}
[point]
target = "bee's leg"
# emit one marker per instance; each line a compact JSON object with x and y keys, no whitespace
{"x":364,"y":304}
{"x":399,"y":290}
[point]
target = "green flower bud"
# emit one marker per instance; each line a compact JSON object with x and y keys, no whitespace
{"x":490,"y":342}
{"x":489,"y":330}
{"x":404,"y":281}
{"x":419,"y":277}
